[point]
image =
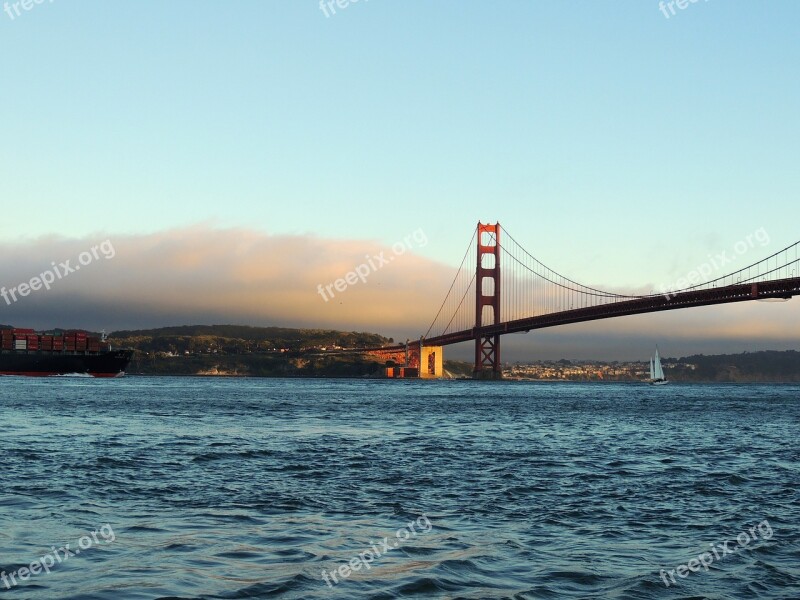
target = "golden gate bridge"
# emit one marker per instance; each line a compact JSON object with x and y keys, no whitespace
{"x":481,"y":305}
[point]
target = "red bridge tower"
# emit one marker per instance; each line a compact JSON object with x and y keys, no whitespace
{"x":487,"y":296}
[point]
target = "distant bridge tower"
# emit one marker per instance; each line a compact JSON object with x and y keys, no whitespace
{"x":487,"y":296}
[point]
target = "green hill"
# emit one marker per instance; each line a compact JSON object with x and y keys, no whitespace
{"x":238,"y":339}
{"x":240,"y":350}
{"x":766,"y":366}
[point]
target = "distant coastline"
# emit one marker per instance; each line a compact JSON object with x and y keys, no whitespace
{"x":244,"y":351}
{"x":748,"y":367}
{"x":241,"y":351}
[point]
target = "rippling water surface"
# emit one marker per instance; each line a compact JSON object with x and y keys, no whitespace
{"x":254,"y":488}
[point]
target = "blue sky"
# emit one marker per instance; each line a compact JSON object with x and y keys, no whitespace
{"x":618,"y":145}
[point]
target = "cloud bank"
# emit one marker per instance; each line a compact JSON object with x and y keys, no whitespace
{"x":207,"y":275}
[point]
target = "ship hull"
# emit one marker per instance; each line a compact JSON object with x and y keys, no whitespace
{"x":43,"y":364}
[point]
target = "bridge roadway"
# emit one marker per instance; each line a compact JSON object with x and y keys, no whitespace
{"x":779,"y":288}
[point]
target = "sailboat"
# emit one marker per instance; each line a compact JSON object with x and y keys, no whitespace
{"x":656,"y":372}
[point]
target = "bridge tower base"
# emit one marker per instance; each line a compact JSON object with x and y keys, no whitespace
{"x":431,"y":362}
{"x":487,"y":358}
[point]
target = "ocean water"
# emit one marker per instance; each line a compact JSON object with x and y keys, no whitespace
{"x":231,"y":488}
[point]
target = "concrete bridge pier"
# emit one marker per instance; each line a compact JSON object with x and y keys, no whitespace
{"x":431,"y":362}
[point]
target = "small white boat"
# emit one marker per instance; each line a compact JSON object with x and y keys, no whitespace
{"x":656,"y":372}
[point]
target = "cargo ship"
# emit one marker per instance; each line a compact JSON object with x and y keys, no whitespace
{"x":26,"y":352}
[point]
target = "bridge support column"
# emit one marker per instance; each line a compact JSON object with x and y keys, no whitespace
{"x":487,"y":358}
{"x":487,"y":296}
{"x":431,"y":362}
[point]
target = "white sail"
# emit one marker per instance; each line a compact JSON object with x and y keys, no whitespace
{"x":658,"y":372}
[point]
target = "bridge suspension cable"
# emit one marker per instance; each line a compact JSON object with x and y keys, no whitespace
{"x":532,"y":289}
{"x":463,"y":283}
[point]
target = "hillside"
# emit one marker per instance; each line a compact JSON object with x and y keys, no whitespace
{"x":767,"y":366}
{"x":246,"y":337}
{"x":237,"y":339}
{"x":238,"y":350}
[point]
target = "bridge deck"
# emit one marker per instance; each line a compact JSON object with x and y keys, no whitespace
{"x":780,"y":288}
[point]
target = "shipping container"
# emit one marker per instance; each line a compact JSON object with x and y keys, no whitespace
{"x":69,"y":342}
